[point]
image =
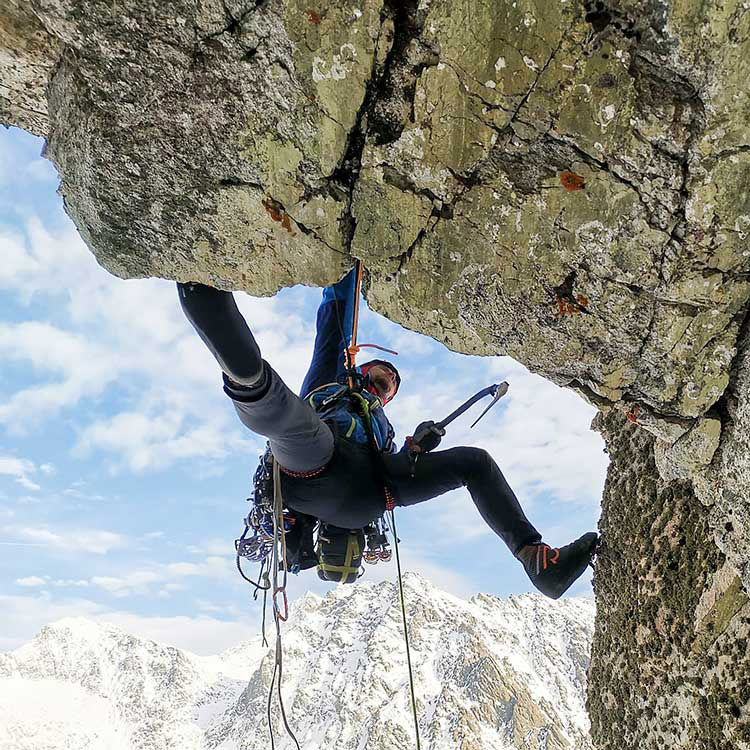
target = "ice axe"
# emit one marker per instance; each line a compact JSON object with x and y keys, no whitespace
{"x":497,"y":391}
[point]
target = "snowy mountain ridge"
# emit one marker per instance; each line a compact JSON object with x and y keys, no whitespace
{"x":490,"y":673}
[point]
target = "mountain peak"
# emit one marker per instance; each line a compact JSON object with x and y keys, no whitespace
{"x":493,"y":669}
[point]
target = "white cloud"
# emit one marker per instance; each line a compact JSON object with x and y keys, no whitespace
{"x":132,"y":337}
{"x":165,"y":577}
{"x":211,"y":547}
{"x":135,"y":581}
{"x":144,"y":442}
{"x":543,"y":442}
{"x":52,"y":351}
{"x":200,"y":635}
{"x":69,"y":582}
{"x":76,"y":493}
{"x":30,"y":499}
{"x":25,"y":616}
{"x":72,"y":541}
{"x":19,"y":469}
{"x":31,"y":581}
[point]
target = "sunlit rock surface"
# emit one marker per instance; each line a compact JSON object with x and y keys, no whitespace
{"x":564,"y":182}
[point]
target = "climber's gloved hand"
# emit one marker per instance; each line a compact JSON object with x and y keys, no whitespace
{"x":426,"y":437}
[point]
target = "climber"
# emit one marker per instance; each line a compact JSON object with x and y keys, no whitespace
{"x":334,"y":463}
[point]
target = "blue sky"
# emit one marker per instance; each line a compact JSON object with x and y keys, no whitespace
{"x":124,"y":471}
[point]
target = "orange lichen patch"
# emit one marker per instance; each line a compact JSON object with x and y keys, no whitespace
{"x":566,"y":307}
{"x":277,"y":213}
{"x":313,"y":17}
{"x":572,"y":181}
{"x":632,"y":415}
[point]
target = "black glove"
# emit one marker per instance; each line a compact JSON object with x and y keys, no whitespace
{"x":426,"y":437}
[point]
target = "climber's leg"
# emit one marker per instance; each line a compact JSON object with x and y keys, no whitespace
{"x":551,"y":570}
{"x":214,"y":315}
{"x":440,"y":471}
{"x":299,"y":440}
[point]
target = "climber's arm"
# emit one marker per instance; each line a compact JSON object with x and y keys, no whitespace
{"x":333,"y":334}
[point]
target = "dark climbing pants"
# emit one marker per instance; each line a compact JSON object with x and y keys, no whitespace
{"x":299,"y":440}
{"x":441,"y":471}
{"x":349,"y":491}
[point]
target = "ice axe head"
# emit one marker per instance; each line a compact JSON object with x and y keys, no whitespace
{"x":500,"y":390}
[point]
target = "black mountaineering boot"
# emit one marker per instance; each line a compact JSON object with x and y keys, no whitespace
{"x":552,"y":570}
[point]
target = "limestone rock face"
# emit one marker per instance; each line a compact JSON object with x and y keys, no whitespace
{"x":564,"y":182}
{"x":671,"y":658}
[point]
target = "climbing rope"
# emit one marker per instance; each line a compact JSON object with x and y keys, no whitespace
{"x":403,"y":619}
{"x":279,"y":550}
{"x":350,"y":354}
{"x":279,"y":539}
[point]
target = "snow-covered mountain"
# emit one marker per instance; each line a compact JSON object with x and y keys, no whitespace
{"x":491,"y":674}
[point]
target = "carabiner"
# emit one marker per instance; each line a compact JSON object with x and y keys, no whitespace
{"x":281,"y":617}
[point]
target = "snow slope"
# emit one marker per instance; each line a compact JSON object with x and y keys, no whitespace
{"x":490,"y":673}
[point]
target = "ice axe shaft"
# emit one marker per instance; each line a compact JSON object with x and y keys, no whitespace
{"x":497,"y":391}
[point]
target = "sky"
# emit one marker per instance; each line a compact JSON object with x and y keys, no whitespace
{"x":124,"y":471}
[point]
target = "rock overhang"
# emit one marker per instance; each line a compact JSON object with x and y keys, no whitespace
{"x":566,"y":183}
{"x":553,"y":181}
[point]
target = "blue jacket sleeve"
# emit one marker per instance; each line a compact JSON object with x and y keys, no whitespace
{"x":333,"y":334}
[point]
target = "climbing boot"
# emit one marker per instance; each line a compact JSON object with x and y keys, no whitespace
{"x":553,"y":570}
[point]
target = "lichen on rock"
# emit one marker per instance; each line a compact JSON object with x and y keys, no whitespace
{"x":670,"y":660}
